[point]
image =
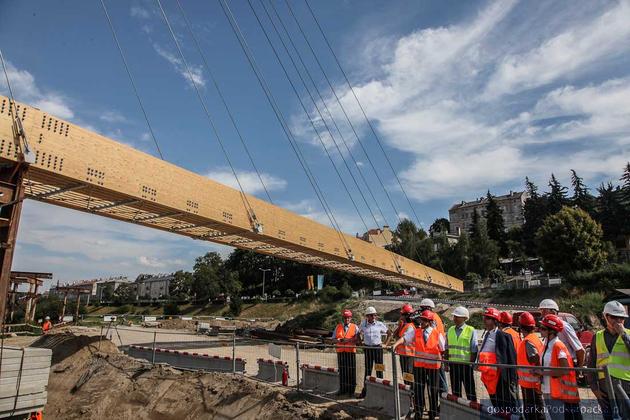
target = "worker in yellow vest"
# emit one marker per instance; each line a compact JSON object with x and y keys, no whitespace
{"x":506,"y":325}
{"x":559,"y":387}
{"x":611,"y":348}
{"x":429,"y":346}
{"x":528,"y":354}
{"x":461,"y":346}
{"x":345,"y":335}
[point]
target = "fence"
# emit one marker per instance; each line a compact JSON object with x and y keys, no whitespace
{"x":375,"y":375}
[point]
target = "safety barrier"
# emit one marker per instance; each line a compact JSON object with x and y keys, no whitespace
{"x":453,"y":407}
{"x":379,"y":395}
{"x":272,"y":370}
{"x":319,"y":379}
{"x":188,"y":360}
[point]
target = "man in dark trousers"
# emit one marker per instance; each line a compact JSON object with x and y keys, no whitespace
{"x":497,"y":347}
{"x":345,"y":336}
{"x":461,"y":346}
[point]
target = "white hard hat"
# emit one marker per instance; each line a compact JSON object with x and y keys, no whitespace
{"x":48,"y":318}
{"x":370,"y":310}
{"x":427,"y":302}
{"x":548,"y":304}
{"x":461,"y":312}
{"x":615,"y":308}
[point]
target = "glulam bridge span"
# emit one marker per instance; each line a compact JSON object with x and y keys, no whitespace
{"x":82,"y":170}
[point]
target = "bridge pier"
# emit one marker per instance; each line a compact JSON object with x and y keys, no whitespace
{"x":11,"y":198}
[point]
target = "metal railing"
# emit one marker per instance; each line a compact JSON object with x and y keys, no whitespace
{"x":291,"y":360}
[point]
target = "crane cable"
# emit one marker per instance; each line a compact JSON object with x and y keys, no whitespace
{"x":396,"y":264}
{"x":307,"y":113}
{"x":283,"y":124}
{"x":131,"y":79}
{"x":222,"y":97}
{"x":250,"y":211}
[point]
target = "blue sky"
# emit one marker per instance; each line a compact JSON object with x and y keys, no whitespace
{"x":466,"y":96}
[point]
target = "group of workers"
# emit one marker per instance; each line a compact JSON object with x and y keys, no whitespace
{"x":537,"y":357}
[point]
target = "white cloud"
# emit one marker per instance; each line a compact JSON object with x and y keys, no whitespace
{"x":248,"y":179}
{"x":570,"y":51}
{"x":112,"y":117}
{"x":140,"y":12}
{"x":152,"y":262}
{"x":26,"y":90}
{"x":196,"y":73}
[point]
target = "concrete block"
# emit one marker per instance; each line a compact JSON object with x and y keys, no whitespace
{"x":452,"y":407}
{"x":320,"y":378}
{"x":379,"y":395}
{"x":271,"y":370}
{"x":187,"y":360}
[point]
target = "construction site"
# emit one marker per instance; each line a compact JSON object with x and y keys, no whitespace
{"x":515,"y":307}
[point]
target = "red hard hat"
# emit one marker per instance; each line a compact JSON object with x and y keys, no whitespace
{"x":526,"y":320}
{"x":347,"y":313}
{"x":406,"y":309}
{"x":505,"y":318}
{"x":426,"y":314}
{"x":553,"y":322}
{"x":492,"y":313}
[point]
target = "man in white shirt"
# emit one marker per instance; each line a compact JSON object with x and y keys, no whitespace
{"x":568,"y":335}
{"x":372,"y":332}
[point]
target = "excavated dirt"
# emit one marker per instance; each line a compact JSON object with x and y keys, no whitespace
{"x":88,"y":382}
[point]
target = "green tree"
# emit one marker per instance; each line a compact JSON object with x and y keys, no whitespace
{"x":495,"y":223}
{"x":581,"y":197}
{"x":625,"y":198}
{"x":440,"y":225}
{"x":180,"y":286}
{"x":557,"y":196}
{"x":406,"y":239}
{"x":535,"y":212}
{"x":108,"y":293}
{"x":484,"y":252}
{"x":610,"y":211}
{"x":207,"y":272}
{"x":125,"y":293}
{"x":570,"y":241}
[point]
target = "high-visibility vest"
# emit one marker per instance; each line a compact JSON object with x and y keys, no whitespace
{"x":516,"y":337}
{"x":564,"y":387}
{"x":618,"y":361}
{"x":404,"y":349}
{"x":47,"y":326}
{"x":489,"y":374}
{"x":459,"y":347}
{"x":439,"y":325}
{"x":429,"y":351}
{"x":340,"y":333}
{"x":526,"y":379}
{"x":36,"y":415}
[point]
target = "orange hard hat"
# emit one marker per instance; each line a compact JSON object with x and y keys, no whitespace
{"x":347,"y":313}
{"x":492,"y":313}
{"x":526,"y":320}
{"x":406,"y":309}
{"x":426,"y":314}
{"x":505,"y":318}
{"x":553,"y":322}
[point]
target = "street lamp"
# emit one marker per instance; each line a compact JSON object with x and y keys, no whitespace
{"x":264,"y":270}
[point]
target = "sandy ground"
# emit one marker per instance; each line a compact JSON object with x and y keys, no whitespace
{"x":91,"y":379}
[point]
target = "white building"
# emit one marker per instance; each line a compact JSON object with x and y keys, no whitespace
{"x":461,"y":214}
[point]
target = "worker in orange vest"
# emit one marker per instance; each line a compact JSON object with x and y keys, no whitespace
{"x":528,"y":354}
{"x":429,"y":346}
{"x":506,"y":325}
{"x":47,"y":325}
{"x":559,"y":386}
{"x":36,"y":415}
{"x":345,"y":336}
{"x":429,"y":305}
{"x":405,"y":345}
{"x":497,"y":347}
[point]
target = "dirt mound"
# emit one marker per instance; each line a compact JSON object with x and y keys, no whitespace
{"x":92,"y":384}
{"x":178,"y":324}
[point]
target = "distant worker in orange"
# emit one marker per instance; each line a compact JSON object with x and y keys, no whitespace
{"x":559,"y":386}
{"x":429,"y":345}
{"x":506,"y":326}
{"x":47,"y":325}
{"x":528,"y":353}
{"x":497,"y":347}
{"x":429,"y":305}
{"x":345,"y":335}
{"x":405,"y":334}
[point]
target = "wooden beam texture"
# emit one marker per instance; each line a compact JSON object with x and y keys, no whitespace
{"x":82,"y":170}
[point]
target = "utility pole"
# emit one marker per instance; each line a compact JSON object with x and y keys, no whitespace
{"x":264,"y":270}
